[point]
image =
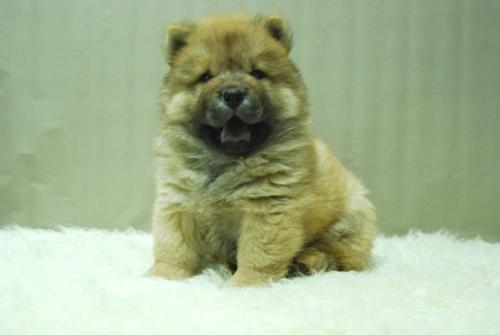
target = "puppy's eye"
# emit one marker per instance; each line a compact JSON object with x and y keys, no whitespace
{"x":205,"y":77}
{"x":257,"y":74}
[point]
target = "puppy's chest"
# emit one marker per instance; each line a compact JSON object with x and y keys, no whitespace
{"x":216,"y":209}
{"x":224,"y":198}
{"x":223,"y":222}
{"x":218,"y":227}
{"x":212,"y":203}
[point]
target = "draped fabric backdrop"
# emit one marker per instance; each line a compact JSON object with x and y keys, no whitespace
{"x":406,"y":92}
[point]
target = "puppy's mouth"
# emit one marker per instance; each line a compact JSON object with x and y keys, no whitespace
{"x":235,"y":137}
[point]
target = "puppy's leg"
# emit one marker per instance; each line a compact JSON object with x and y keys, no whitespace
{"x":266,"y":247}
{"x":175,"y":251}
{"x":347,"y":244}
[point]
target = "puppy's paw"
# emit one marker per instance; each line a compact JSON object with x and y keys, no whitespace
{"x":241,"y":278}
{"x":168,"y":272}
{"x":310,"y":260}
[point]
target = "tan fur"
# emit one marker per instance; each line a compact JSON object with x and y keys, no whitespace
{"x":289,"y":203}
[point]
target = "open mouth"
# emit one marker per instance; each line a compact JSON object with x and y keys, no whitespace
{"x":235,"y":137}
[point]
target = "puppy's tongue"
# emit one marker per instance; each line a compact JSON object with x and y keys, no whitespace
{"x":234,"y":131}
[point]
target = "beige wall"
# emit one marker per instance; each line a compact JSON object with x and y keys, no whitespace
{"x":407,"y":92}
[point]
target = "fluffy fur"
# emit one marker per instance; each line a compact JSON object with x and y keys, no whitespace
{"x":280,"y":203}
{"x":75,"y":281}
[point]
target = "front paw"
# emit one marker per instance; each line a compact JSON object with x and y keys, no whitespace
{"x":169,"y":272}
{"x":251,"y":278}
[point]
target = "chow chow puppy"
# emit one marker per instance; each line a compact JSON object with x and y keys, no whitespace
{"x":240,"y":178}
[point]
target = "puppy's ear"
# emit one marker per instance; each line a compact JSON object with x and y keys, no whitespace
{"x":176,"y":36}
{"x":277,"y":27}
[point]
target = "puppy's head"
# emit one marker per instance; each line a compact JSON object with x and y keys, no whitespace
{"x":231,"y":82}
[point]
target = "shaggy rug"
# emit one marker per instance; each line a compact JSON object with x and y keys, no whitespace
{"x":74,"y":281}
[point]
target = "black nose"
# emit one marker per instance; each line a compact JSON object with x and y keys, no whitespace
{"x":233,"y":97}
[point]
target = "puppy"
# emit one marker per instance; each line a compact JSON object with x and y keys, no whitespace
{"x":240,"y":178}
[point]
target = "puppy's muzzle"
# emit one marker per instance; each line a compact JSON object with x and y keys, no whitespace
{"x":233,"y":97}
{"x":244,"y":105}
{"x":235,"y":102}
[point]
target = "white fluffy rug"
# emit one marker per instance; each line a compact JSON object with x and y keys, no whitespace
{"x":74,"y":281}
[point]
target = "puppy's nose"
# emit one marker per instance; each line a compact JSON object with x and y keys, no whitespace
{"x":233,"y":97}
